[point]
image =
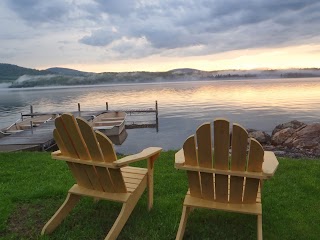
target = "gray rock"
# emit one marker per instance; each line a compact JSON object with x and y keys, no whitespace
{"x":282,"y":136}
{"x":293,"y":124}
{"x":307,"y":138}
{"x":261,"y":136}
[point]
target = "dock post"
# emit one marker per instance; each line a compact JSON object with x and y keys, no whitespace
{"x":107,"y":106}
{"x":21,"y":116}
{"x":79,"y":110}
{"x":31,"y":127}
{"x":31,"y":110}
{"x":157,"y":121}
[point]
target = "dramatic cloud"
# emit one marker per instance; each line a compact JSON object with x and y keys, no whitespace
{"x":38,"y":10}
{"x":125,"y":29}
{"x":217,"y":25}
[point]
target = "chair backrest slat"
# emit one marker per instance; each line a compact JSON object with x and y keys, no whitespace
{"x":239,"y":148}
{"x":255,"y":161}
{"x":238,"y":162}
{"x":105,"y":179}
{"x":71,"y":151}
{"x":221,"y":157}
{"x":221,"y":144}
{"x":74,"y":133}
{"x":109,"y":156}
{"x":107,"y":149}
{"x":204,"y":144}
{"x":60,"y":143}
{"x":80,"y":175}
{"x":90,"y":139}
{"x":256,"y":155}
{"x":190,"y":154}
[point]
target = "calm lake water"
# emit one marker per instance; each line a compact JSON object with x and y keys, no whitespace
{"x":183,"y":106}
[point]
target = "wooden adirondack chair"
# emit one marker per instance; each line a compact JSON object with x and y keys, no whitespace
{"x":93,"y":163}
{"x":217,"y":181}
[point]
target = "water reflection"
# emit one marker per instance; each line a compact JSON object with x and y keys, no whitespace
{"x":260,"y":104}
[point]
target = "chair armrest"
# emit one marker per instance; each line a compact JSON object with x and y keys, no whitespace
{"x":179,"y":158}
{"x":270,"y":164}
{"x":56,"y":153}
{"x":146,"y":153}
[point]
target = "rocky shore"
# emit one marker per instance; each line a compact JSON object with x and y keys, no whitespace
{"x":292,"y":139}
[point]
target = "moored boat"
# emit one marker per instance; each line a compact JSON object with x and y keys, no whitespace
{"x":27,"y":123}
{"x":111,"y":123}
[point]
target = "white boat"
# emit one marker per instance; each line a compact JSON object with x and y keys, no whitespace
{"x":110,"y":123}
{"x":27,"y":123}
{"x":119,"y":139}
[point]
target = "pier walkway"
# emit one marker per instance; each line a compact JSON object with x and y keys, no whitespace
{"x":41,"y":138}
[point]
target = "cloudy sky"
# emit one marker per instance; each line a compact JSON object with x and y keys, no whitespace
{"x":159,"y":35}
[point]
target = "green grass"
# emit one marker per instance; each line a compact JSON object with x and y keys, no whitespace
{"x":33,"y":186}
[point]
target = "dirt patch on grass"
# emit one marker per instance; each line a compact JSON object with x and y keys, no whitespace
{"x":28,"y":219}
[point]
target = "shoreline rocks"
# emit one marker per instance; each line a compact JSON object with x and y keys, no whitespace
{"x":292,"y":139}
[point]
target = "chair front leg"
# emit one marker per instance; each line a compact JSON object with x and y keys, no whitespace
{"x":62,"y":212}
{"x":151,"y":161}
{"x":183,"y":222}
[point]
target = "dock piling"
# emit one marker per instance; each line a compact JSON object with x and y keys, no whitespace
{"x":157,"y":120}
{"x":79,"y":109}
{"x":31,"y":127}
{"x":31,"y":110}
{"x":107,"y":106}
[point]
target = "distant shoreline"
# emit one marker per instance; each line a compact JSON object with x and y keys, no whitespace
{"x":79,"y":86}
{"x":20,"y":77}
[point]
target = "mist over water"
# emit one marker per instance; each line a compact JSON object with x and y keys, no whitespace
{"x":183,"y":106}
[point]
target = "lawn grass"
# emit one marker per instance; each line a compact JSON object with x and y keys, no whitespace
{"x":33,"y":186}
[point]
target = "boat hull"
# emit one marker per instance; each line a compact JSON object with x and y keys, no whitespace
{"x":110,"y":123}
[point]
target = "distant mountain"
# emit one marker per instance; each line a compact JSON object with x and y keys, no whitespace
{"x":67,"y":71}
{"x":184,"y":71}
{"x":26,"y":77}
{"x":10,"y":72}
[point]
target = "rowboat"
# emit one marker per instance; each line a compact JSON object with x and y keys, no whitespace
{"x":26,"y":123}
{"x":119,"y":139}
{"x":110,"y":123}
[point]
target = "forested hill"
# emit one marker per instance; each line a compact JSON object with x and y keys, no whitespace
{"x":67,"y":71}
{"x":18,"y":77}
{"x":10,"y":72}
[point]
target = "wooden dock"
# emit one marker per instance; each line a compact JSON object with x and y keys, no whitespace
{"x":35,"y":139}
{"x":41,"y":138}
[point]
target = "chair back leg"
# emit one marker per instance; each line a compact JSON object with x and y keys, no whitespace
{"x":259,"y":234}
